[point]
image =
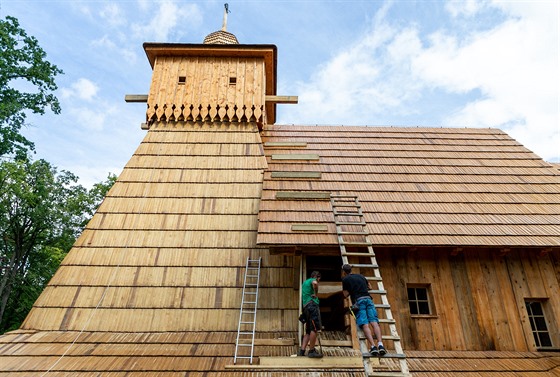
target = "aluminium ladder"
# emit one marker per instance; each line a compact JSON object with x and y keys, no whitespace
{"x":355,"y":247}
{"x":245,"y":342}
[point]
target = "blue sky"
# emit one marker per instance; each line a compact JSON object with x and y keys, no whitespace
{"x":380,"y":63}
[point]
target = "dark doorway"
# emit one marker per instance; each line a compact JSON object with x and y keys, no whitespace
{"x":330,"y":290}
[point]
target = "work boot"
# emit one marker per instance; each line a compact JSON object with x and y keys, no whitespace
{"x":313,"y":353}
{"x":301,"y":352}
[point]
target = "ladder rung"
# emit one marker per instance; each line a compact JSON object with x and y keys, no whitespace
{"x":387,"y":374}
{"x":247,"y":323}
{"x":378,"y":292}
{"x":250,"y":333}
{"x":244,"y":345}
{"x":354,"y":233}
{"x":389,"y":321}
{"x":358,"y":254}
{"x":385,"y":337}
{"x":244,"y":357}
{"x":348,"y":214}
{"x":374,"y":278}
{"x":356,"y":243}
{"x":365,"y":265}
{"x":382,"y":306}
{"x":350,"y":223}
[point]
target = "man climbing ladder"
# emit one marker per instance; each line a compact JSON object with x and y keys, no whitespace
{"x":357,"y":287}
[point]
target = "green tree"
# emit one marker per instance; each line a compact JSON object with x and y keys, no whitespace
{"x":22,"y":65}
{"x":42,"y":211}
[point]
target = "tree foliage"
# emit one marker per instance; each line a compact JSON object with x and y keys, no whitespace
{"x":42,"y":211}
{"x":23,"y":65}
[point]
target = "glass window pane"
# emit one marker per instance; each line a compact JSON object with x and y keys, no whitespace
{"x":411,"y":294}
{"x":540,"y":323}
{"x":413,"y":308}
{"x":422,"y":294}
{"x":545,"y":339}
{"x":423,"y":307}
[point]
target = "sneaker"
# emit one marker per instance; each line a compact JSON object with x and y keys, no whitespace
{"x":374,"y":351}
{"x":313,"y":353}
{"x":301,"y":352}
{"x":382,"y":350}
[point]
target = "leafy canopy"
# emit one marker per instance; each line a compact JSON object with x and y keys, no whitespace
{"x":22,"y":65}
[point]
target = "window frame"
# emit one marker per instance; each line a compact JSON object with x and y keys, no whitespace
{"x":543,"y":302}
{"x":429,"y":300}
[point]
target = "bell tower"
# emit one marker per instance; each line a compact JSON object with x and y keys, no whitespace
{"x":219,"y":81}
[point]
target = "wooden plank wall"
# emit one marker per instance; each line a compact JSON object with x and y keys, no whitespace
{"x":206,"y":93}
{"x":479,"y":297}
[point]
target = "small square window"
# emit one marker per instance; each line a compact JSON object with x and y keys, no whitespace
{"x":537,"y":320}
{"x":232,"y":80}
{"x":419,"y":299}
{"x":182,"y":80}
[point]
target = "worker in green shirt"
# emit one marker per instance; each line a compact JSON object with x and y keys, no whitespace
{"x":311,"y":314}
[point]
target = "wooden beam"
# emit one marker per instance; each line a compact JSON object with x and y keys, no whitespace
{"x":303,"y":195}
{"x":275,"y":342}
{"x":281,"y":99}
{"x":136,"y":98}
{"x":296,"y":174}
{"x":283,"y":363}
{"x":307,"y":157}
{"x":309,"y":228}
{"x":284,"y":144}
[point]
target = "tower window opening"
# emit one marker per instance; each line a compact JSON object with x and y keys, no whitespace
{"x":182,"y":80}
{"x":232,"y":80}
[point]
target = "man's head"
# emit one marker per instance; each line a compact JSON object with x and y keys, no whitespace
{"x":316,"y":275}
{"x":347,"y":269}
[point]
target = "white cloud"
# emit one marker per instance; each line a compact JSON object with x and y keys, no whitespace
{"x":113,"y":15}
{"x":508,"y":73}
{"x":83,"y":89}
{"x":464,"y":7}
{"x":169,"y":17}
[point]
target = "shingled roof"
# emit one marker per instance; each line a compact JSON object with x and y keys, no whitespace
{"x":417,"y":186}
{"x":152,"y":286}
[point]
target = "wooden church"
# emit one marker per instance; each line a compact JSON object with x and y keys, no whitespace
{"x":193,"y":263}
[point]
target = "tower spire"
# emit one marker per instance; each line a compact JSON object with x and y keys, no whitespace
{"x":222,"y":36}
{"x":226,"y":11}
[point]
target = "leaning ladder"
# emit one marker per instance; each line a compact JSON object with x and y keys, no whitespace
{"x":351,"y":229}
{"x":245,"y":342}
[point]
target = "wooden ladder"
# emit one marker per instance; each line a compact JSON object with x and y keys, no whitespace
{"x":357,"y":250}
{"x":245,"y":342}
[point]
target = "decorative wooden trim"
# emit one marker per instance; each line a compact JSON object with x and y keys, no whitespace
{"x":309,"y":227}
{"x":303,"y":195}
{"x":295,"y":157}
{"x":296,"y":174}
{"x":205,"y":113}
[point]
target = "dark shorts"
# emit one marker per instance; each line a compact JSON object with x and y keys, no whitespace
{"x":312,"y":317}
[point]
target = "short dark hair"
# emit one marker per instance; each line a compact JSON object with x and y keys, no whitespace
{"x":315,"y":274}
{"x":347,"y":268}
